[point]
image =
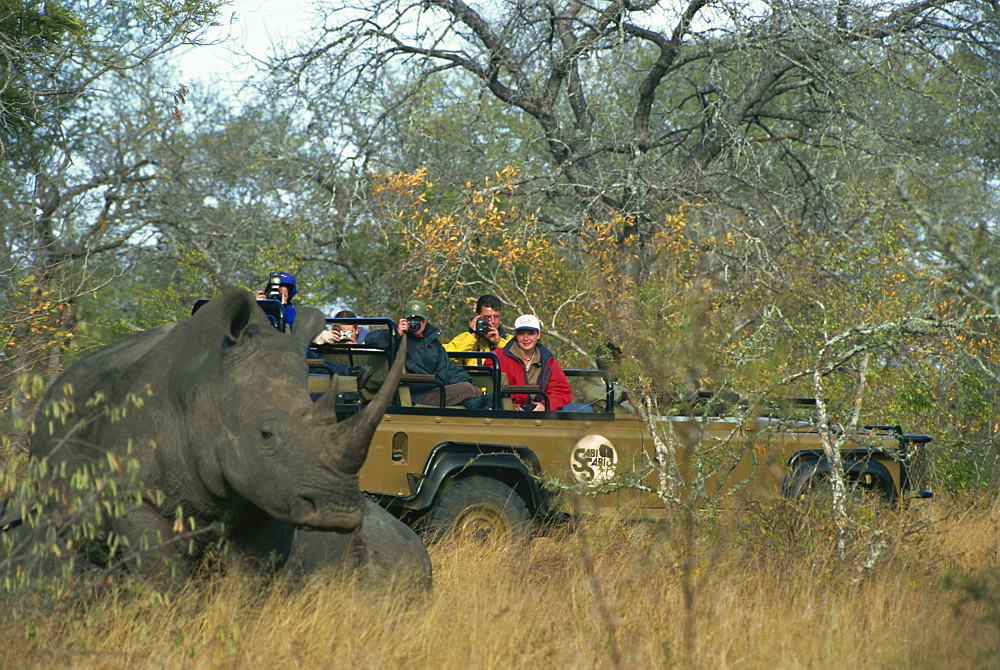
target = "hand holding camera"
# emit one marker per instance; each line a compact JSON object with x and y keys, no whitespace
{"x":407,"y":324}
{"x":272,"y":291}
{"x":482,"y":326}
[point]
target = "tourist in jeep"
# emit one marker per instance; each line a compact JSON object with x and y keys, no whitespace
{"x":485,"y":332}
{"x":281,"y":287}
{"x":342,"y":333}
{"x":525,"y":360}
{"x":425,"y":355}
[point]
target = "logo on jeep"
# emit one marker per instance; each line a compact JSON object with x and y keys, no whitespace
{"x":593,"y":460}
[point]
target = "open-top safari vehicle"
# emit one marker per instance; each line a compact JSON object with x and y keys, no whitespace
{"x":495,"y":471}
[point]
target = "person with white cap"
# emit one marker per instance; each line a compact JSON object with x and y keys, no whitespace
{"x":525,"y":360}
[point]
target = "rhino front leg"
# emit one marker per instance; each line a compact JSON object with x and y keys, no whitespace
{"x":316,"y":549}
{"x":383,"y":551}
{"x":392,"y":551}
{"x":155,"y":549}
{"x":265,"y":542}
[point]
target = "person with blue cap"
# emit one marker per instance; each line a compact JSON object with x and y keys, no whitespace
{"x":281,"y":287}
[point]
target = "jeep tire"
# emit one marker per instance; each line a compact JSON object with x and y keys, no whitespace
{"x":817,"y":489}
{"x":478,"y":508}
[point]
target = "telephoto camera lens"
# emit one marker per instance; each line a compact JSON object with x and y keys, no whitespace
{"x":272,"y":287}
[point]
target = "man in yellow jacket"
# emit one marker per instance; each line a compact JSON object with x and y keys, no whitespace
{"x":485,"y":332}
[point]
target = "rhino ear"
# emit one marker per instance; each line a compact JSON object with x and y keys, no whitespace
{"x":236,"y":308}
{"x":309,"y":322}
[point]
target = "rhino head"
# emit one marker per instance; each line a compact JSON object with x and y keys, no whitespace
{"x":258,"y":438}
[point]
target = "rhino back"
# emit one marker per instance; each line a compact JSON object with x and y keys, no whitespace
{"x":87,"y":389}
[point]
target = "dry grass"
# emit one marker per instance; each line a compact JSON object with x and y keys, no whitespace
{"x":765,"y":593}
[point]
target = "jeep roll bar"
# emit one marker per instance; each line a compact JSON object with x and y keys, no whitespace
{"x":479,"y":368}
{"x":361,"y":348}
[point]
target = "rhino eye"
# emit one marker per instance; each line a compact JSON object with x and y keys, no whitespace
{"x":269,"y":431}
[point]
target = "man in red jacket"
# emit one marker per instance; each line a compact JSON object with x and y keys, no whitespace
{"x":525,"y":360}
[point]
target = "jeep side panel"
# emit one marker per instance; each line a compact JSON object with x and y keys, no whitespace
{"x":575,"y":452}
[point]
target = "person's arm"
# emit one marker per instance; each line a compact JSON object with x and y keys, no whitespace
{"x":462,"y":342}
{"x":493,"y":337}
{"x":447,"y":370}
{"x":557,"y":386}
{"x":378,"y":338}
{"x":515,"y":377}
{"x":326,"y":336}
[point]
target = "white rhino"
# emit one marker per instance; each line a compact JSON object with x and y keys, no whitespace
{"x":208,"y":425}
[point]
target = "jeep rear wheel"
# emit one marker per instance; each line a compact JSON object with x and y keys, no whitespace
{"x":478,"y":509}
{"x":816,"y":488}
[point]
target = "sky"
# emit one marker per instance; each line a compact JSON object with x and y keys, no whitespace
{"x":257,"y":25}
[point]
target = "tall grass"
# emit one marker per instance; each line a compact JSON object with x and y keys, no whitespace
{"x":766,"y":592}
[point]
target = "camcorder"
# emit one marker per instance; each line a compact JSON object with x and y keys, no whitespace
{"x":482,"y":325}
{"x":273,"y":283}
{"x":413,"y":323}
{"x":528,"y":406}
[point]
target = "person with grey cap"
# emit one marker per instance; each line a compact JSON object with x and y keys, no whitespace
{"x":425,"y":355}
{"x":525,"y":360}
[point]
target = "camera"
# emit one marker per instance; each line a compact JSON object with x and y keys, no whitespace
{"x":346,"y":334}
{"x":272,"y":287}
{"x":413,"y":323}
{"x":482,"y":325}
{"x":528,"y":406}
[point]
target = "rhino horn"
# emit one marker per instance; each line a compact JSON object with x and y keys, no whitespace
{"x":325,"y":407}
{"x":352,"y":438}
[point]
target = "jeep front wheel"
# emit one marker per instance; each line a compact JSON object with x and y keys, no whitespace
{"x":478,"y":509}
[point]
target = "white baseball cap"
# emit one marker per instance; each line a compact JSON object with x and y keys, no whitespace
{"x":527,"y":322}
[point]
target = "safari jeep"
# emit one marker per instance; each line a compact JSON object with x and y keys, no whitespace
{"x":497,"y":472}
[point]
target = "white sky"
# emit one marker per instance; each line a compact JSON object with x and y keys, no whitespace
{"x":257,"y":26}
